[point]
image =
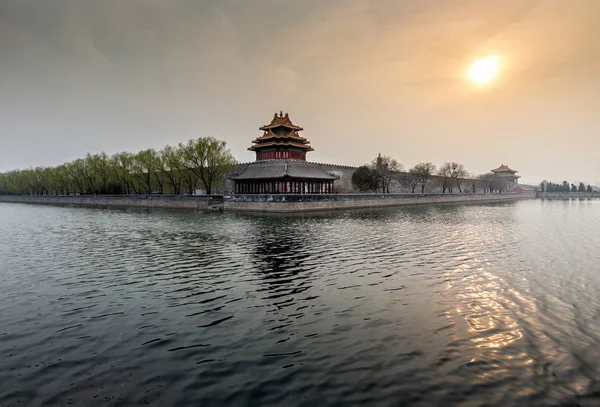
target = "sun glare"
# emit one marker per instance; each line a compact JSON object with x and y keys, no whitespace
{"x":484,"y":70}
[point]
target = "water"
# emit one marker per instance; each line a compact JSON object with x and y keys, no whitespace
{"x":492,"y":305}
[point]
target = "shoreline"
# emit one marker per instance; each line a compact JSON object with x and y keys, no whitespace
{"x":264,"y":203}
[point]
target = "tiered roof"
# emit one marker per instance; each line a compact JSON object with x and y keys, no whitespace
{"x":504,"y":168}
{"x":281,"y":132}
{"x":283,"y":169}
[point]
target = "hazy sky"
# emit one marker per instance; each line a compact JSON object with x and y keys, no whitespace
{"x":360,"y":76}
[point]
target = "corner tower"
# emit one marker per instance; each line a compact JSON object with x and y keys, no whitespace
{"x":281,"y":166}
{"x":281,"y":141}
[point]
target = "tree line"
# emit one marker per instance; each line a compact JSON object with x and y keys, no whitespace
{"x":177,"y":169}
{"x":450,"y":177}
{"x":565,"y":187}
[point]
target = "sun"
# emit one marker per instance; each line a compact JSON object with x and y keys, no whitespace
{"x":484,"y":69}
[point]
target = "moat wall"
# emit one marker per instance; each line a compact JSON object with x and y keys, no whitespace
{"x":567,"y":195}
{"x":254,"y":203}
{"x":199,"y":202}
{"x":266,"y":203}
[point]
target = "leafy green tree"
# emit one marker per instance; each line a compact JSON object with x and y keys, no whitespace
{"x":573,"y":188}
{"x":172,"y":166}
{"x":209,"y":159}
{"x":581,"y":187}
{"x":122,"y":165}
{"x":589,"y":189}
{"x":142,"y":167}
{"x":364,"y":179}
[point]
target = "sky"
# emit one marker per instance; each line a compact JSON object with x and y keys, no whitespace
{"x":360,"y":76}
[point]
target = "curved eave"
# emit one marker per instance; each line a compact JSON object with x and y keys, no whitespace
{"x":274,"y":126}
{"x":304,"y":147}
{"x":262,"y":139}
{"x":504,"y":172}
{"x":283,"y":169}
{"x":285,"y":176}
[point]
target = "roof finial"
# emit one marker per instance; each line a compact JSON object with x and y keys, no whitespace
{"x":281,"y":113}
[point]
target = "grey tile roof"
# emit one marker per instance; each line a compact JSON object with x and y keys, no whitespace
{"x":277,"y":169}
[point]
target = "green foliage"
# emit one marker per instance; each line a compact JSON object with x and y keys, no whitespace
{"x":364,"y":179}
{"x":209,"y":159}
{"x":148,"y":171}
{"x":566,"y":187}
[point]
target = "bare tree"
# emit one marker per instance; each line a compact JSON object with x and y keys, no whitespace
{"x":445,"y":174}
{"x":459,"y":173}
{"x":386,"y":169}
{"x":473,"y":182}
{"x":452,"y":173}
{"x":422,"y":172}
{"x":499,"y":184}
{"x":487,"y":182}
{"x":411,"y":179}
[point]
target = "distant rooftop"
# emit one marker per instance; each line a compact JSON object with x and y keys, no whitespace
{"x":504,"y":168}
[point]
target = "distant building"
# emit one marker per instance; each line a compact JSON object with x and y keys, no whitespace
{"x":509,"y":175}
{"x":281,"y":166}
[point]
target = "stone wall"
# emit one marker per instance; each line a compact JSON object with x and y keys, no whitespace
{"x":199,"y":202}
{"x":298,"y":203}
{"x":567,"y":195}
{"x":264,"y":203}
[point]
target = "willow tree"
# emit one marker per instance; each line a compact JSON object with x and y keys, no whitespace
{"x":172,"y":166}
{"x":209,"y":159}
{"x":122,"y":164}
{"x":143,"y":166}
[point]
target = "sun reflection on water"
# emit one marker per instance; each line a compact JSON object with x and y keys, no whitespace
{"x":484,"y":307}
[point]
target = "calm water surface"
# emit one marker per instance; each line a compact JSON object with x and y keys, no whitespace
{"x":492,"y":305}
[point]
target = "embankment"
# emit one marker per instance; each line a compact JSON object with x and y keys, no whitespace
{"x":265,"y":203}
{"x":198,"y":202}
{"x":309,"y":203}
{"x":567,"y":195}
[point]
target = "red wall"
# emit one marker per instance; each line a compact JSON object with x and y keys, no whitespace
{"x":280,"y":155}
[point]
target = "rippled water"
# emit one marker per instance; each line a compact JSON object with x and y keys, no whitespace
{"x":491,"y":305}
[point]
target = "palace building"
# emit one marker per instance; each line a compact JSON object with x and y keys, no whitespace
{"x":504,"y":172}
{"x":281,"y":166}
